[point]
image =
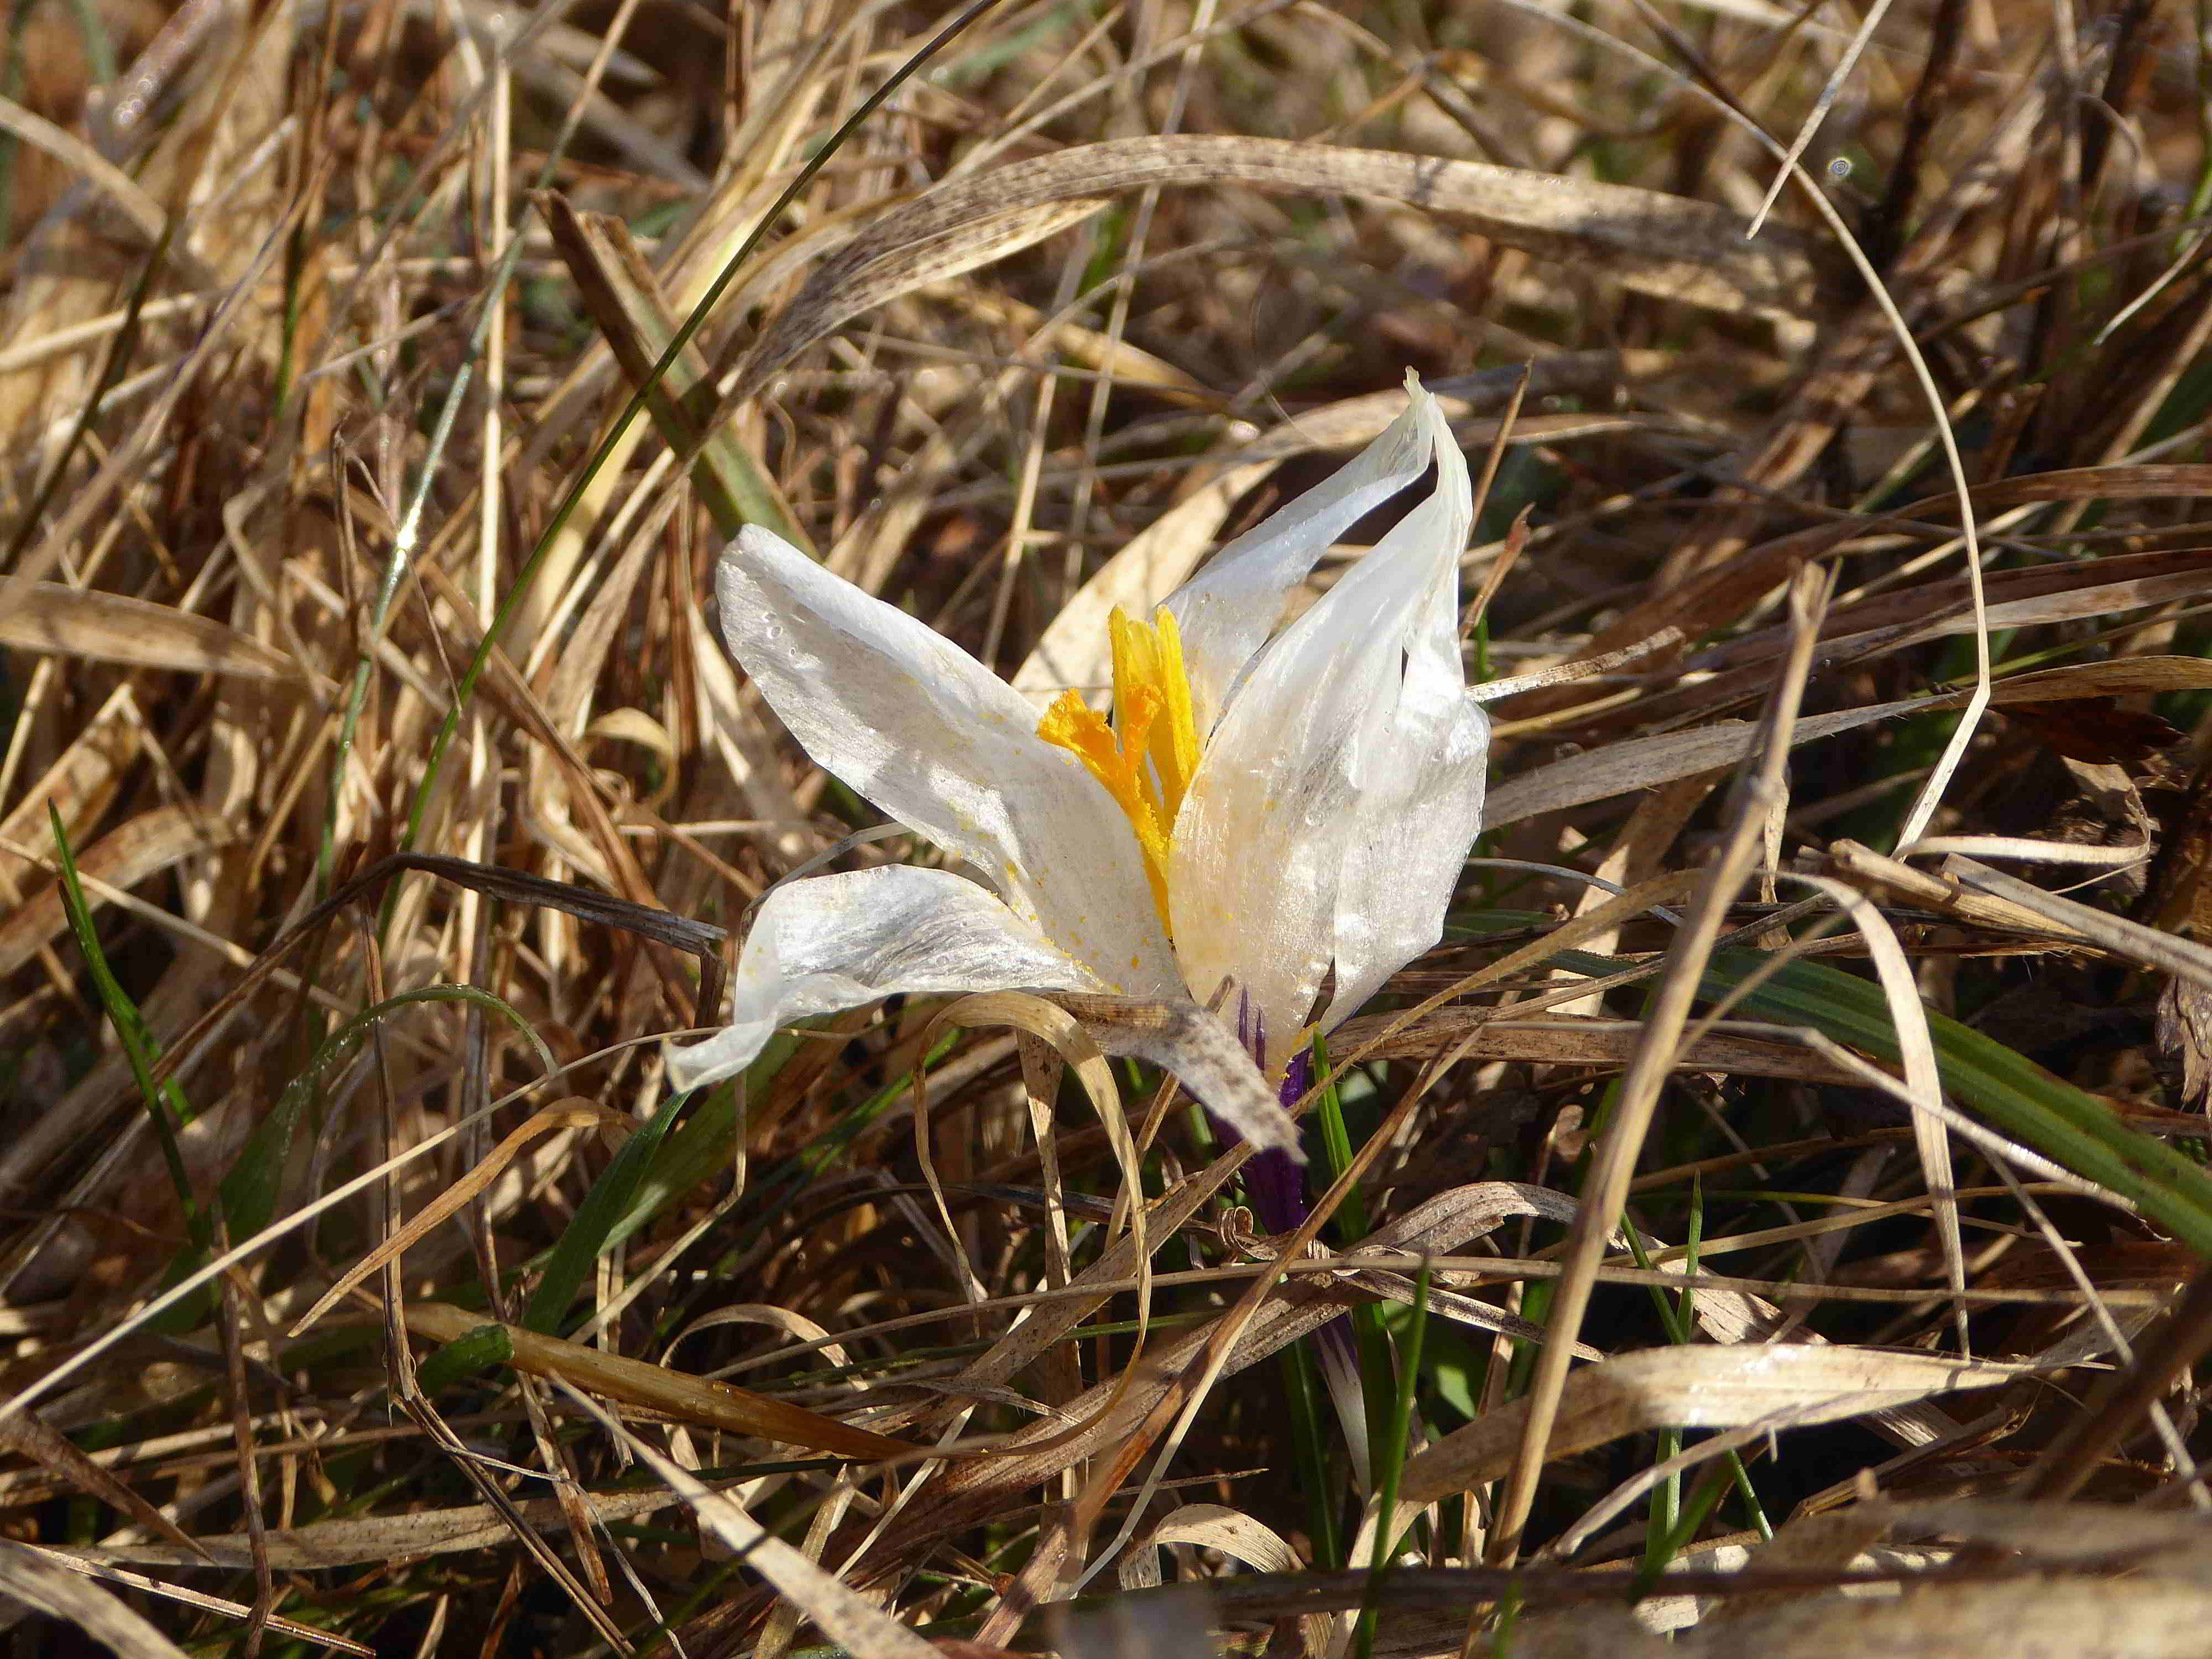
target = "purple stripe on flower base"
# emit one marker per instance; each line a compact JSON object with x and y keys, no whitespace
{"x":1276,"y":1186}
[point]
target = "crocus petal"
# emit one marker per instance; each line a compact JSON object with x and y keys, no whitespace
{"x":1227,"y":610}
{"x":1342,"y":785}
{"x":1418,"y":764}
{"x":835,"y":942}
{"x":944,"y":745}
{"x":1178,"y":1036}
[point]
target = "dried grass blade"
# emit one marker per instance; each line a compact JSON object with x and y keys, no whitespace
{"x":1724,"y":1386}
{"x":377,"y":1538}
{"x":1939,"y":610}
{"x":2121,"y":1398}
{"x":1655,"y":243}
{"x":1606,"y":1190}
{"x":125,"y":460}
{"x":1580,"y":1042}
{"x":2039,"y":1618}
{"x":200,"y":1599}
{"x":1876,"y":874}
{"x":1115,"y":1267}
{"x":1228,"y":1532}
{"x":1923,"y":1081}
{"x":81,"y":622}
{"x":27,"y":1434}
{"x":634,"y":1383}
{"x":2153,"y":947}
{"x":855,"y":1624}
{"x":575,"y":1113}
{"x":126,"y":855}
{"x":619,"y":289}
{"x":2016,"y":598}
{"x":1640,"y":762}
{"x":1289,"y":1311}
{"x":27,"y":1575}
{"x":1047,"y":1022}
{"x":2077,"y":1131}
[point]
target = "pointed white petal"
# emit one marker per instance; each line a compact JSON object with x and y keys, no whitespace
{"x":1227,"y":610}
{"x":1417,"y":811}
{"x":1341,"y":787}
{"x":944,"y":745}
{"x":835,"y":942}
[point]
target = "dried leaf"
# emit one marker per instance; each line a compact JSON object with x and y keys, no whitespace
{"x":2185,"y":1033}
{"x":79,"y":622}
{"x":1721,"y":1387}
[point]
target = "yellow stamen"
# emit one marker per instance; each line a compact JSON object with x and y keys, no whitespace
{"x":1175,"y":738}
{"x":1153,"y":723}
{"x":1117,"y":763}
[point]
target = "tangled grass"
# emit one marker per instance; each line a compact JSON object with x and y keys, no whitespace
{"x":1817,"y":1050}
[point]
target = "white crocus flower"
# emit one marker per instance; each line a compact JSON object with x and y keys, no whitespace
{"x":1268,"y":803}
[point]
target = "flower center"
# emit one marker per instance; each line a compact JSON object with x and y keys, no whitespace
{"x":1147,"y":757}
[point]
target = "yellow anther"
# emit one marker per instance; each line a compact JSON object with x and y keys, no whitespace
{"x":1151,"y":658}
{"x":1118,"y":762}
{"x":1147,"y":758}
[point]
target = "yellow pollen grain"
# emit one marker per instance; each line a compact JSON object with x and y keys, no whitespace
{"x":1148,"y":755}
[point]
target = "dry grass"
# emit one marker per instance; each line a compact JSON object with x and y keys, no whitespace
{"x":333,"y":534}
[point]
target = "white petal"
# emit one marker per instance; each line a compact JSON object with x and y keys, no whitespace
{"x":835,"y":942}
{"x":1227,"y":610}
{"x":1339,"y":793}
{"x":1178,"y":1036}
{"x":944,"y":745}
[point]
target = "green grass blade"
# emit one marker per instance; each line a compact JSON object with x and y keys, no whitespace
{"x":620,"y":292}
{"x":593,"y":1229}
{"x":167,"y":1109}
{"x":465,"y":1357}
{"x":2010,"y":1092}
{"x":1390,"y":1459}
